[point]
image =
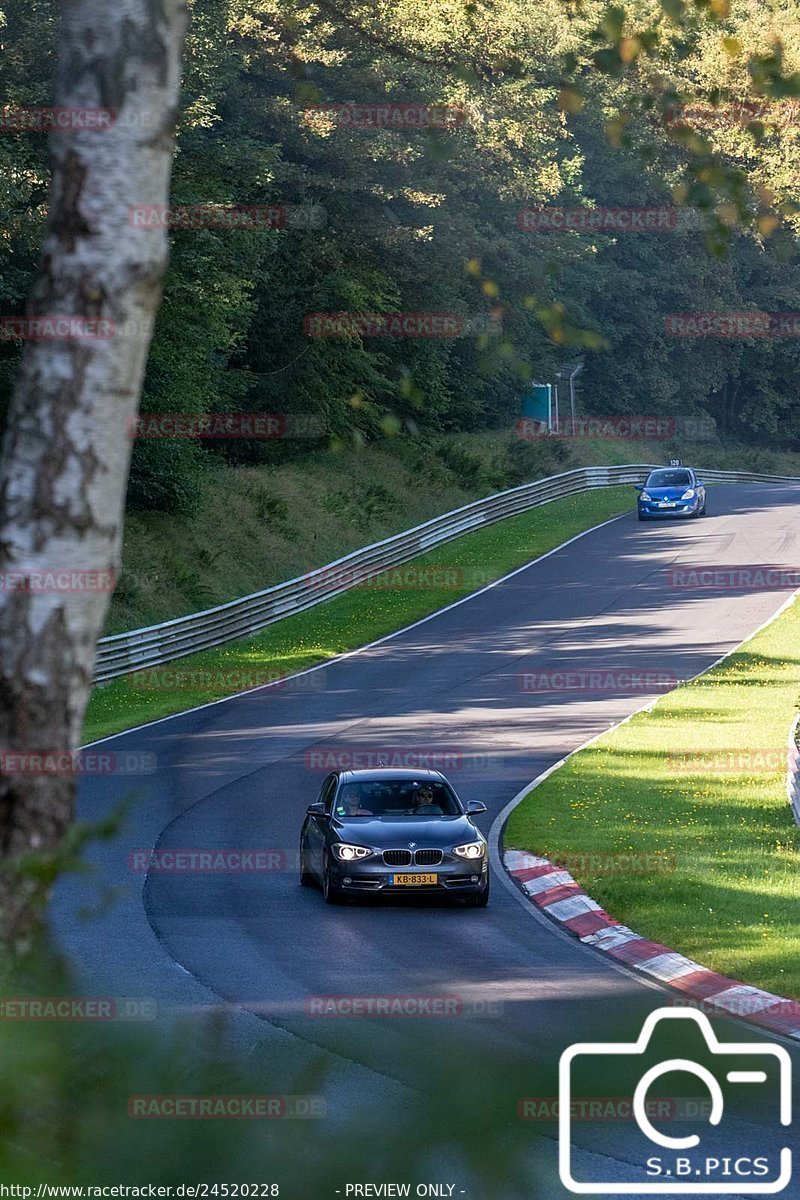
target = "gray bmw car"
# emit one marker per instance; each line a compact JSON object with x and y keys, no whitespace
{"x":393,"y":832}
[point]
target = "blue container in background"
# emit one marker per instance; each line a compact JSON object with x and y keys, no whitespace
{"x":537,"y":404}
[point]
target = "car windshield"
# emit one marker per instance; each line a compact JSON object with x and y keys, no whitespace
{"x":396,"y":798}
{"x":668,"y":478}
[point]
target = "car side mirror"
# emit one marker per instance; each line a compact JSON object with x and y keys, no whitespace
{"x":317,"y":809}
{"x":699,"y":484}
{"x":639,"y":487}
{"x":475,"y":808}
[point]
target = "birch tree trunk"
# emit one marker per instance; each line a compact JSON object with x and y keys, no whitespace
{"x":65,"y":457}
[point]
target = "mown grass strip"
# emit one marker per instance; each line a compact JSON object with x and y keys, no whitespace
{"x":352,"y":619}
{"x":700,"y":782}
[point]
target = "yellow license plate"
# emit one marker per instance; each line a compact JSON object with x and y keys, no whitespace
{"x":409,"y":880}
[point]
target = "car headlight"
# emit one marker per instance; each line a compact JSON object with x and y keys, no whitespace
{"x":347,"y":853}
{"x":469,"y":850}
{"x":688,"y":494}
{"x":645,"y":496}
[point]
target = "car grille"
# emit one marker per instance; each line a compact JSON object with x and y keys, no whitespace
{"x":404,"y":858}
{"x":397,"y":858}
{"x":428,"y":858}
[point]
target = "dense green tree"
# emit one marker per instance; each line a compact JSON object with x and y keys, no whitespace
{"x":557,"y":104}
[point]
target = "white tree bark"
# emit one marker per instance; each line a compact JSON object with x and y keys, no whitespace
{"x":65,"y":457}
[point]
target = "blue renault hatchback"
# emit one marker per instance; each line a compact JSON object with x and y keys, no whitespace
{"x":671,"y":492}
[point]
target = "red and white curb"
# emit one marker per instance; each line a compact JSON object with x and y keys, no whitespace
{"x":555,"y":892}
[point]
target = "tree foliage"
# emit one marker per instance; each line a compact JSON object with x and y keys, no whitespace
{"x":567,"y":104}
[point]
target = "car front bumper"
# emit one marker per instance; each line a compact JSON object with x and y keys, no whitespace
{"x":681,"y":508}
{"x":460,"y":877}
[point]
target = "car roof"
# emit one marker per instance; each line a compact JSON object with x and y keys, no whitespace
{"x":376,"y":774}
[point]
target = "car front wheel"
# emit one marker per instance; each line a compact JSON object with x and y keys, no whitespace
{"x":306,"y":877}
{"x":330,"y":891}
{"x":479,"y":899}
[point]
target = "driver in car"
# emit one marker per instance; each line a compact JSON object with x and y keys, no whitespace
{"x":426,"y":805}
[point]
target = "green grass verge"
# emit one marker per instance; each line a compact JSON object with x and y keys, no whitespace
{"x":699,"y":780}
{"x":358,"y":616}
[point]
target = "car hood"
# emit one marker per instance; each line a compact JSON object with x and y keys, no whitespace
{"x":397,"y":832}
{"x":667,"y":493}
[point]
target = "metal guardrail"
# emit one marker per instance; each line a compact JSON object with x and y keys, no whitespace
{"x":122,"y":653}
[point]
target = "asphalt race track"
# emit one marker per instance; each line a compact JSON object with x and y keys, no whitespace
{"x":240,"y":774}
